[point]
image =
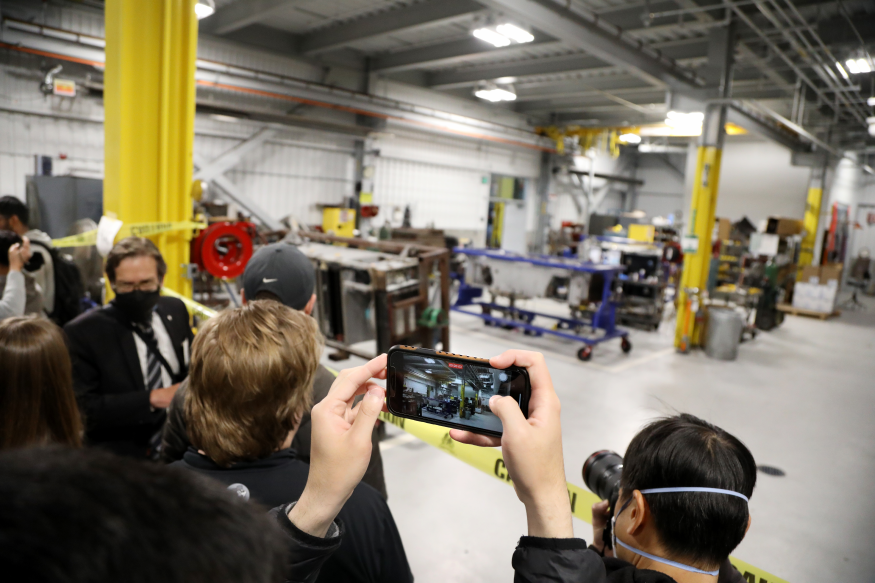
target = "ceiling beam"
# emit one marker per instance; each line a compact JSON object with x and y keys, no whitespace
{"x":241,"y":14}
{"x":406,"y":18}
{"x":602,"y":40}
{"x":552,"y":65}
{"x":450,"y":53}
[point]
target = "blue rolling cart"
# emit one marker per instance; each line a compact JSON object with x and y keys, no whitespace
{"x":510,"y":316}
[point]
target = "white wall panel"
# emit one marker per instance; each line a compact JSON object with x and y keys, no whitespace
{"x":286,"y":177}
{"x":24,"y":136}
{"x":444,"y":180}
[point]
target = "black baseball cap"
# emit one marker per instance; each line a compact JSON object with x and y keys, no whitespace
{"x":282,"y":270}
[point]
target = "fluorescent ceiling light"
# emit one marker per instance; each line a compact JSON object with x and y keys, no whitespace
{"x":429,"y":360}
{"x":630,"y":138}
{"x":222,"y":117}
{"x":871,"y":102}
{"x":842,"y":70}
{"x":204,"y":8}
{"x":495,"y":94}
{"x":515,"y":33}
{"x":491,"y":37}
{"x":857,"y":66}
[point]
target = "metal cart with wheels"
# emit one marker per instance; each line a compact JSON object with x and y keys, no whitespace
{"x":527,"y":273}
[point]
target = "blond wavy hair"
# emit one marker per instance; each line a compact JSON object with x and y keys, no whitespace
{"x":251,"y":379}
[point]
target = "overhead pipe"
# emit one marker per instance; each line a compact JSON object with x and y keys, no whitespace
{"x":245,"y":81}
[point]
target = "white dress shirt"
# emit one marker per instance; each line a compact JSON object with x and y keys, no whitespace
{"x":165,"y":347}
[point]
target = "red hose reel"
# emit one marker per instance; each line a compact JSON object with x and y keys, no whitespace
{"x":224,"y":249}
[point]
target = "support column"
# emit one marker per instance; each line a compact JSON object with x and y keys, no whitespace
{"x":545,"y":175}
{"x":812,"y":217}
{"x":149,"y":100}
{"x":700,"y":225}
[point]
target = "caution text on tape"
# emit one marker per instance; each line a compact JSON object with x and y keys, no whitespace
{"x":89,"y":238}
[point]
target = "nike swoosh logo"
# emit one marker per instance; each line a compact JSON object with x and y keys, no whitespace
{"x":265,"y":280}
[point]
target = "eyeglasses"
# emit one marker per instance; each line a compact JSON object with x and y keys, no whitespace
{"x":145,"y":286}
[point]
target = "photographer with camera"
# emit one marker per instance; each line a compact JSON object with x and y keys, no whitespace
{"x":681,"y":497}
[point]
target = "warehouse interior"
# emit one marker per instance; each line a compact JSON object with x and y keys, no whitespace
{"x":672,"y":200}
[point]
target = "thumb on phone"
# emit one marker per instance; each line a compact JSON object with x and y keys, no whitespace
{"x":368,"y":412}
{"x":508,"y":410}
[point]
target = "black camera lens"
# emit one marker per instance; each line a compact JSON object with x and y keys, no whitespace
{"x":601,"y":474}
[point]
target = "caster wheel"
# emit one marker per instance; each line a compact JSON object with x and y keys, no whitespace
{"x":527,"y":332}
{"x":625,"y":345}
{"x":585,"y":353}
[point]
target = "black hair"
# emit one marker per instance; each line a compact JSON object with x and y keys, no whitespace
{"x":11,"y":206}
{"x":77,"y":516}
{"x":7,"y":240}
{"x":696,"y":527}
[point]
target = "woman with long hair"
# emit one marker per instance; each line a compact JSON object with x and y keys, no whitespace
{"x":37,"y":403}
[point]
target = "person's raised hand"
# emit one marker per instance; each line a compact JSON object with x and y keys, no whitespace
{"x":532,"y":447}
{"x":340,"y":447}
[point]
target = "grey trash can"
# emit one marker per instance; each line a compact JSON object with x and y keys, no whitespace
{"x":724,"y":333}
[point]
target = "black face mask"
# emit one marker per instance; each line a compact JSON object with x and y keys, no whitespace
{"x":137,"y":305}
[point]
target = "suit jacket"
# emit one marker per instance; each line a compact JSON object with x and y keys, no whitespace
{"x":108,"y":379}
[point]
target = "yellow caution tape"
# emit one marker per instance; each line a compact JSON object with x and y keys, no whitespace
{"x":490,"y":460}
{"x":193,"y":307}
{"x":89,"y":238}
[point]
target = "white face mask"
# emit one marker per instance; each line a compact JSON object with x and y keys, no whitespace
{"x":615,"y":541}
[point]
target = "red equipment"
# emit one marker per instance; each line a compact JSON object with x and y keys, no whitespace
{"x":224,"y":249}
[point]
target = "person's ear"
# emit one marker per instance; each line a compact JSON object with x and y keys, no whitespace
{"x":308,"y":309}
{"x":749,"y":518}
{"x":639,"y":513}
{"x":242,"y":296}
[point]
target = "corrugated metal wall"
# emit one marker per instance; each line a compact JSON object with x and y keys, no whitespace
{"x":24,"y":136}
{"x":444,"y":180}
{"x":289,"y":175}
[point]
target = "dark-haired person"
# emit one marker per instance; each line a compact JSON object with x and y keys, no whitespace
{"x":129,"y":356}
{"x":14,"y":253}
{"x":683,"y":504}
{"x":37,"y":404}
{"x":251,"y":377}
{"x":15,"y":217}
{"x":279,"y":273}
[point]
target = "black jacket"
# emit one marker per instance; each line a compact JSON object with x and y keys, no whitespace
{"x":568,"y":560}
{"x":175,"y":443}
{"x":108,"y":379}
{"x":371,"y":551}
{"x":306,"y":553}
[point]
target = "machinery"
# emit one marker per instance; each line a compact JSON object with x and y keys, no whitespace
{"x":382,"y":291}
{"x":515,"y":277}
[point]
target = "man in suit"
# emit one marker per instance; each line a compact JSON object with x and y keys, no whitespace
{"x":130,"y":356}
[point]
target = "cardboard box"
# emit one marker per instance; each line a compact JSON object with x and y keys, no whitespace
{"x":815,"y":297}
{"x":723,"y":229}
{"x":831,"y":271}
{"x":810,"y":273}
{"x":783,"y":226}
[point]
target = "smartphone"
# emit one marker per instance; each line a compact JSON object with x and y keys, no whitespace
{"x":450,"y":389}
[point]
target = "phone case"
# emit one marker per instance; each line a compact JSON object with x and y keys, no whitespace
{"x":452,"y":355}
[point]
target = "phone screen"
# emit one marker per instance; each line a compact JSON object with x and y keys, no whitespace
{"x":452,"y":392}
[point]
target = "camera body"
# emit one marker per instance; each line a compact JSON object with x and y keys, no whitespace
{"x":601,"y":474}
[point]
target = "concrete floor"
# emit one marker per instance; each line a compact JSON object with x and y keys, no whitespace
{"x":801,"y":397}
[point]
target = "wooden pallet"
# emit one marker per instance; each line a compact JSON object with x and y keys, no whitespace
{"x":810,"y":313}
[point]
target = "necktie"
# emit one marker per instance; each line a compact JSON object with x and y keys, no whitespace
{"x":153,"y":365}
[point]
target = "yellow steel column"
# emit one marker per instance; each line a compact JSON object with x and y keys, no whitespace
{"x":149,"y":95}
{"x":812,"y":218}
{"x":701,"y":224}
